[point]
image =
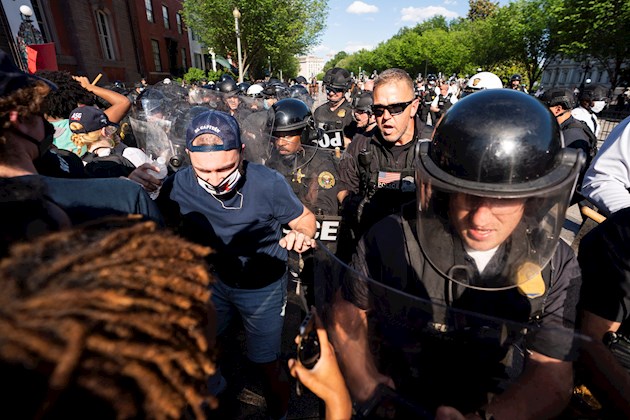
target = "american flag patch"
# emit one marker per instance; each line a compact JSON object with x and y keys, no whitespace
{"x":390,"y":180}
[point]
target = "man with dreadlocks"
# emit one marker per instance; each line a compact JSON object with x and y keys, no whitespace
{"x":238,"y":208}
{"x":25,"y":136}
{"x":109,"y":321}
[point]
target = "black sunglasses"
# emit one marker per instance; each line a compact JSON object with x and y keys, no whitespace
{"x":330,"y":89}
{"x":393,"y":109}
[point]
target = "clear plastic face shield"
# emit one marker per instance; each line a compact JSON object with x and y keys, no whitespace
{"x":488,"y":236}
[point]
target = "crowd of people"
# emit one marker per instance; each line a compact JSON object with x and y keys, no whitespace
{"x":137,"y":225}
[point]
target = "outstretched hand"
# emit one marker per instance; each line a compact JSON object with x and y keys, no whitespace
{"x":297,"y":241}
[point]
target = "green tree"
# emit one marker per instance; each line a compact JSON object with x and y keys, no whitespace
{"x":274,"y":29}
{"x":194,"y":75}
{"x":595,"y":29}
{"x":481,"y":9}
{"x":332,"y":63}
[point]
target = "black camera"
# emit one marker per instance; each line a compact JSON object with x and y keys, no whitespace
{"x":308,"y":348}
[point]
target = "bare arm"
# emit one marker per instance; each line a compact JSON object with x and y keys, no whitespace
{"x":325,"y":379}
{"x":542,"y":391}
{"x":119,"y":103}
{"x":301,"y":237}
{"x":611,"y":380}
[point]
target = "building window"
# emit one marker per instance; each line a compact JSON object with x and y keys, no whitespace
{"x":178,"y":18}
{"x":167,"y":24}
{"x":149,"y":6}
{"x":198,"y":62}
{"x":157,"y":60}
{"x":105,"y":35}
{"x":184,"y":59}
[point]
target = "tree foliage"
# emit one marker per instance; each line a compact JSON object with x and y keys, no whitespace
{"x":333,"y":62}
{"x":481,"y":9}
{"x":277,"y":29}
{"x":595,"y":29}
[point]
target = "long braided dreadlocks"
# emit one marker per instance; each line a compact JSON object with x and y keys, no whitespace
{"x":119,"y":315}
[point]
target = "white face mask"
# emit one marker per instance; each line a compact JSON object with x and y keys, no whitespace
{"x":598,"y":106}
{"x":227,"y":185}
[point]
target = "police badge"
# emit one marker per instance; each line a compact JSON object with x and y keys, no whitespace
{"x":326,"y":180}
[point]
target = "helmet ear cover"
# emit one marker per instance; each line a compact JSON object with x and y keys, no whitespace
{"x":311,"y":134}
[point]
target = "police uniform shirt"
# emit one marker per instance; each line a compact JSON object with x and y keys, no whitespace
{"x":333,"y":123}
{"x":312,"y":174}
{"x":389,"y":253}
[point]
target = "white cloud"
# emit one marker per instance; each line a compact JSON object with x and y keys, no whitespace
{"x":453,"y":2}
{"x":352,"y":47}
{"x":418,"y":14}
{"x":359,"y":8}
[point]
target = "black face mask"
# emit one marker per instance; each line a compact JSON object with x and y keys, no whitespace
{"x":44,"y":144}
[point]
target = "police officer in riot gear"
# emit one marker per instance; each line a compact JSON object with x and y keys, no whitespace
{"x":426,"y":98}
{"x":233,"y":104}
{"x":442,"y":103}
{"x":493,"y":188}
{"x":363,"y":115}
{"x":336,"y":114}
{"x":312,"y":174}
{"x":515,"y":83}
{"x":376,"y":172}
{"x":310,"y":170}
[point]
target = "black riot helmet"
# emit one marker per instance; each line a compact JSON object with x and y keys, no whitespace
{"x":337,"y":78}
{"x":225,"y":77}
{"x":149,"y":103}
{"x":242,"y":87}
{"x":276,"y":90}
{"x":497,"y":153}
{"x":363,"y":102}
{"x":298,"y":91}
{"x":289,"y":115}
{"x":431,"y":78}
{"x":515,"y":77}
{"x":228,"y":87}
{"x":301,"y":80}
{"x":559,"y":96}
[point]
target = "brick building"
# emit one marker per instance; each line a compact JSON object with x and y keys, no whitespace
{"x":122,"y":39}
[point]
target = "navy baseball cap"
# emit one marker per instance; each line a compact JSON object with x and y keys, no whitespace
{"x":89,"y":118}
{"x":12,"y":78}
{"x":218,"y":123}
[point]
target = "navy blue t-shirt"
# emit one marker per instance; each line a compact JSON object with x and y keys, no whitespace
{"x":245,"y":237}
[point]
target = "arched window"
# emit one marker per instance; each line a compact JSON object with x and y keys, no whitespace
{"x":105,"y":35}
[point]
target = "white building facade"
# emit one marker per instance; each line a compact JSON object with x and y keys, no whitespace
{"x":310,"y":65}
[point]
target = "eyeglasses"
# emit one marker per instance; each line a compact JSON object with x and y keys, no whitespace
{"x":498,"y":206}
{"x":360,"y":111}
{"x":110,"y":130}
{"x":393,"y":109}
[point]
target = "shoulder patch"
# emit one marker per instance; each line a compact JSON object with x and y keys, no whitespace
{"x":326,"y":180}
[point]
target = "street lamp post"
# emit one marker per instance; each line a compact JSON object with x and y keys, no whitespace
{"x":27,"y":34}
{"x":237,"y":16}
{"x":587,"y":69}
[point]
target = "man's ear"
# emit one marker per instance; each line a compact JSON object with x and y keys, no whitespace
{"x":414,"y":107}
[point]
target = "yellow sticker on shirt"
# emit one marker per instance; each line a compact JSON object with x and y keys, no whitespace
{"x":326,"y":180}
{"x":530,"y":281}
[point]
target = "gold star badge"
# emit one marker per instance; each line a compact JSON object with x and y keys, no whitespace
{"x":298,"y":176}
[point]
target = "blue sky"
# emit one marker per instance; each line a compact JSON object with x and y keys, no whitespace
{"x":355,"y":24}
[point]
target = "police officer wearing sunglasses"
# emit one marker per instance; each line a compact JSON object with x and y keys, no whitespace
{"x":336,"y":114}
{"x":376,"y":172}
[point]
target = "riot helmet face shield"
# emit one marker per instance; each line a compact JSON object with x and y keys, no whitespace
{"x":504,"y":204}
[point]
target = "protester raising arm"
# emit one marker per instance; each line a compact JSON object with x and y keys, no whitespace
{"x":119,"y":103}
